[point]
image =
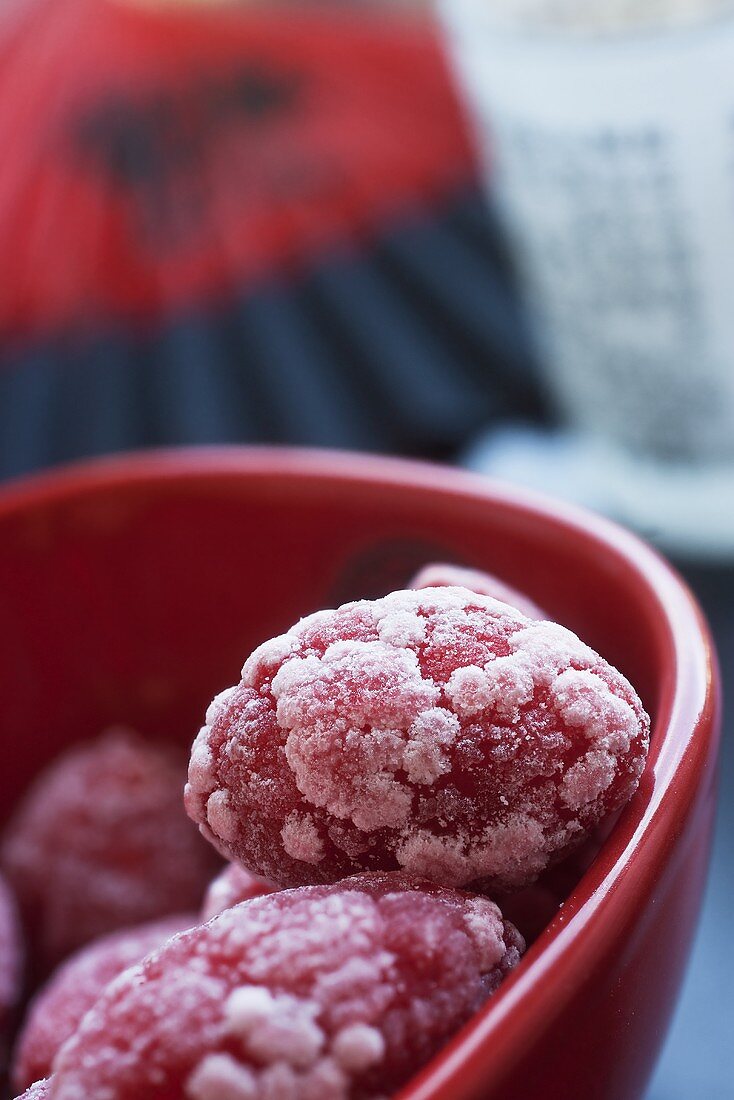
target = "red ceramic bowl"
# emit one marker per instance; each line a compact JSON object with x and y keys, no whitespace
{"x":132,"y":589}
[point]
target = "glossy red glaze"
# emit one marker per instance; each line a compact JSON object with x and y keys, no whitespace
{"x":132,"y":589}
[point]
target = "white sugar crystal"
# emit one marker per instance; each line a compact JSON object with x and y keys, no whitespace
{"x":248,"y":1005}
{"x":201,"y":765}
{"x":301,"y":838}
{"x":514,"y":849}
{"x":222,"y":820}
{"x":547,"y":649}
{"x":266,"y":656}
{"x":503,"y":685}
{"x":583,"y":699}
{"x":483,"y":920}
{"x":218,"y":705}
{"x":275,"y":1028}
{"x":352,"y":704}
{"x":425,"y":755}
{"x":587,"y":779}
{"x":221,"y":1077}
{"x":402,"y":628}
{"x":440,"y":858}
{"x":358,"y":1047}
{"x":468,"y":690}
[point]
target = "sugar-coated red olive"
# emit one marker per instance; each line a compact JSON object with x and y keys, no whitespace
{"x":56,"y":1010}
{"x":338,"y":992}
{"x":438,"y":731}
{"x":101,"y":842}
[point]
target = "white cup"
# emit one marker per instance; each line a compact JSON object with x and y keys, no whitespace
{"x":611,"y":160}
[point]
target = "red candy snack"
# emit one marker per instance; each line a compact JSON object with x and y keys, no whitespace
{"x":56,"y":1010}
{"x":337,"y":992}
{"x":37,"y":1091}
{"x":234,"y":885}
{"x":11,"y":964}
{"x":444,"y":575}
{"x":439,"y":731}
{"x":100,"y":842}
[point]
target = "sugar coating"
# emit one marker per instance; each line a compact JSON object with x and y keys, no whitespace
{"x":443,"y":574}
{"x":274,"y":1028}
{"x":221,"y":1077}
{"x":478,"y":749}
{"x":229,"y":888}
{"x":100,"y":842}
{"x":55,"y":1011}
{"x":39,"y":1090}
{"x":336,"y":992}
{"x":358,"y":1046}
{"x":301,"y":838}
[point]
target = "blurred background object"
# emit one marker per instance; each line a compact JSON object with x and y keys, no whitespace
{"x":242,"y":222}
{"x":609,"y":158}
{"x":273,"y":223}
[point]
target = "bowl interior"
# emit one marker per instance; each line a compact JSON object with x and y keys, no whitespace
{"x":132,"y":591}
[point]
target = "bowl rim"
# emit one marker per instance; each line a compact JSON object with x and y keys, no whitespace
{"x":685,"y":732}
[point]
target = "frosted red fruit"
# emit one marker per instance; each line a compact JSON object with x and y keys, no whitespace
{"x":445,"y":575}
{"x":57,"y":1009}
{"x":438,"y":731}
{"x":234,"y":885}
{"x":11,"y":964}
{"x":334,"y":992}
{"x":101,"y":842}
{"x":38,"y":1091}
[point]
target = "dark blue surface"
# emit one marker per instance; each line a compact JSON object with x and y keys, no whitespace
{"x":698,"y":1060}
